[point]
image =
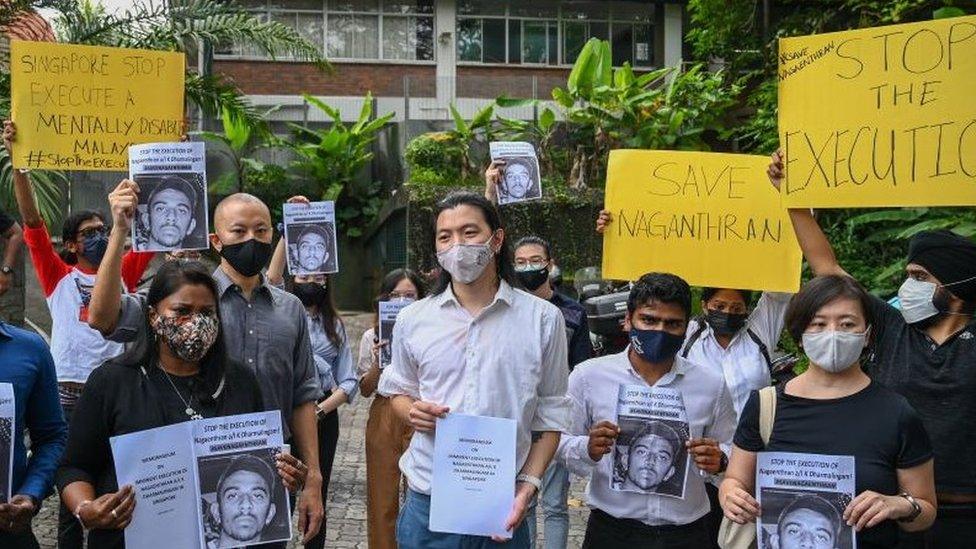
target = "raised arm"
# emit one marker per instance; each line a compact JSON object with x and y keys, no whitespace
{"x":276,"y":269}
{"x":816,"y":248}
{"x":493,"y":177}
{"x":26,"y":204}
{"x":105,"y":306}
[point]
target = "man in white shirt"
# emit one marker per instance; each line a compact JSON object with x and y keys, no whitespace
{"x":476,"y":346}
{"x":627,"y":517}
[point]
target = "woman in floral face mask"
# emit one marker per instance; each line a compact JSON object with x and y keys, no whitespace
{"x":834,"y":408}
{"x":181,"y":373}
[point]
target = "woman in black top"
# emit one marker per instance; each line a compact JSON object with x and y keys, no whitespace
{"x":834,"y":408}
{"x":181,"y":374}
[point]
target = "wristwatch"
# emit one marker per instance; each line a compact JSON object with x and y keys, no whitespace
{"x":529,"y":479}
{"x":916,"y":508}
{"x":723,"y":463}
{"x":6,"y":269}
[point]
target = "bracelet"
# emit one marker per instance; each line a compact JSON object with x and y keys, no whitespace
{"x":916,"y":508}
{"x":529,"y":479}
{"x":77,"y":513}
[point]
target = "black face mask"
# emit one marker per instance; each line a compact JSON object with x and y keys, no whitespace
{"x":726,"y":323}
{"x":532,"y":279}
{"x":248,"y":257}
{"x":94,"y":247}
{"x":310,"y":293}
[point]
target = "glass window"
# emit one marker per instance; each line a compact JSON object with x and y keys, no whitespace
{"x":253,"y":4}
{"x":643,"y":45}
{"x":515,"y":41}
{"x":622,"y":46}
{"x":600,"y":30}
{"x":494,"y":40}
{"x":535,"y":8}
{"x":481,"y":7}
{"x":353,"y":36}
{"x":586,"y":10}
{"x":369,"y":6}
{"x":407,"y":6}
{"x":408,"y":38}
{"x":469,"y":40}
{"x":311,"y":5}
{"x":535,"y":42}
{"x":553,"y":43}
{"x":574,"y":38}
{"x":311,"y":26}
{"x":633,"y":11}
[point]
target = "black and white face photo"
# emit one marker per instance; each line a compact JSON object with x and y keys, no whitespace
{"x":520,"y":180}
{"x":6,"y":447}
{"x":312,"y":248}
{"x":248,"y":503}
{"x":804,"y":520}
{"x":653,"y":459}
{"x":172,"y":213}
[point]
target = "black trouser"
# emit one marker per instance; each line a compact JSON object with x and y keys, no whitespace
{"x":954,"y":528}
{"x":22,"y":540}
{"x":606,"y":532}
{"x":328,"y":439}
{"x":70,"y":533}
{"x":714,"y":515}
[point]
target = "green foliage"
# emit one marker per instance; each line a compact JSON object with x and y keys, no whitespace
{"x":465,"y":133}
{"x":329,"y":161}
{"x":434,"y":154}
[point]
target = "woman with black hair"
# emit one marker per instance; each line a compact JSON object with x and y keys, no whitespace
{"x":834,"y":408}
{"x":332,"y":354}
{"x":387,"y":437}
{"x":181,"y":373}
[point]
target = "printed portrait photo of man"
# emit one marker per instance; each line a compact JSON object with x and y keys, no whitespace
{"x":312,"y":248}
{"x":244,"y":506}
{"x":655,"y":462}
{"x":807,"y":522}
{"x":168,"y":220}
{"x":520,"y":180}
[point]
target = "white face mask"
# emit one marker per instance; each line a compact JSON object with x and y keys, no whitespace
{"x":466,"y":262}
{"x":833,"y":351}
{"x":917,"y":299}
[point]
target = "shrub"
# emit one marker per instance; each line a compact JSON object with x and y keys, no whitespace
{"x":434,"y":153}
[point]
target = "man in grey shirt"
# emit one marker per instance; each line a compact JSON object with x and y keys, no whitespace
{"x":265,"y":328}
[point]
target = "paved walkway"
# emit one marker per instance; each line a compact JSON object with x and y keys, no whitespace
{"x":346,"y":505}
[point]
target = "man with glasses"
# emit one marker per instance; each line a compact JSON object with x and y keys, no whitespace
{"x":533,"y":263}
{"x":67,"y":280}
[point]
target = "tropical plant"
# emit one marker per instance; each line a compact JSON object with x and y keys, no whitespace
{"x":329,"y":161}
{"x":611,"y":108}
{"x":241,"y":141}
{"x":433,"y":159}
{"x":540,"y":130}
{"x":465,"y":133}
{"x":183,"y":25}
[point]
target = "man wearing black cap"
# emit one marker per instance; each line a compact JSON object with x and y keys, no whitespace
{"x":926,"y":351}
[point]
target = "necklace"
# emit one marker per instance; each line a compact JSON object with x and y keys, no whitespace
{"x":189,"y":411}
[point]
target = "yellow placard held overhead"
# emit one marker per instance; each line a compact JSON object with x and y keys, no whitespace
{"x":80,"y":107}
{"x":713,"y":219}
{"x":880,"y":117}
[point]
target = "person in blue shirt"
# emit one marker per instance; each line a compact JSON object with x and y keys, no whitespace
{"x":26,"y":364}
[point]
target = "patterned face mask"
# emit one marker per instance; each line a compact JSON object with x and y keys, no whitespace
{"x":190,"y":336}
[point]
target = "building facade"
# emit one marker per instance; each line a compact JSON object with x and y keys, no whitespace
{"x":419,"y":56}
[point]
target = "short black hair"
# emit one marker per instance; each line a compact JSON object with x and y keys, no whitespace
{"x":816,"y":504}
{"x":819,"y":292}
{"x":660,"y":287}
{"x":503,"y":259}
{"x":71,"y":227}
{"x":661,"y":430}
{"x":246,"y":462}
{"x":320,"y":230}
{"x":533,"y":240}
{"x":709,"y":292}
{"x":176,"y":183}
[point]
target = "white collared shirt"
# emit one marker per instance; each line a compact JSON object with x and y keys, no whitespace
{"x":742,"y":364}
{"x":509,"y":361}
{"x":593,"y":390}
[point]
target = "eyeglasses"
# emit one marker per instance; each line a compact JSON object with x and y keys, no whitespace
{"x":93,"y":231}
{"x":404,"y":295}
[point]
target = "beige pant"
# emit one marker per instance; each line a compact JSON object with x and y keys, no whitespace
{"x":387,"y":438}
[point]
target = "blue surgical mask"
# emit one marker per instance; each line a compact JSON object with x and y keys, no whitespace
{"x":655,"y":345}
{"x":93,"y":248}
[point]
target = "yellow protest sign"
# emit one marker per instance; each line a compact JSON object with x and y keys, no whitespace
{"x":880,"y":117}
{"x":713,"y":219}
{"x":80,"y":107}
